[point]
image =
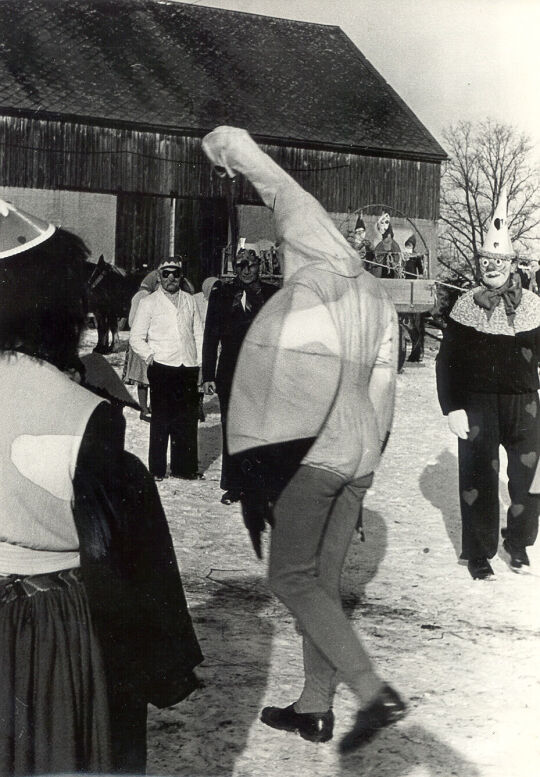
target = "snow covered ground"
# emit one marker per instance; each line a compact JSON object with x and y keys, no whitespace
{"x":463,"y":652}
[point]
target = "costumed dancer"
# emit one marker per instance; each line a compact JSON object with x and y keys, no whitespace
{"x":135,"y":367}
{"x":487,"y":380}
{"x":93,"y":620}
{"x":310,"y":411}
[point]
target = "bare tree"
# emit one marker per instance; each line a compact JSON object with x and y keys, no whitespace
{"x":484,"y":158}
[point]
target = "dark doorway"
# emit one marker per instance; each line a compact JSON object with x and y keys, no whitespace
{"x":143,"y":233}
{"x":201,"y":232}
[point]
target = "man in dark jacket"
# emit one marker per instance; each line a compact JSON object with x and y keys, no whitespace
{"x":231,"y":309}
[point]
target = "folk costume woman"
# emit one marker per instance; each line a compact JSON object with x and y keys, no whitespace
{"x":93,"y":619}
{"x":134,"y":367}
{"x":310,"y":410}
{"x":487,"y":379}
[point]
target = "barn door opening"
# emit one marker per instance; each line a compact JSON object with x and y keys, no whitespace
{"x":144,"y":235}
{"x":201,"y":232}
{"x":142,"y":231}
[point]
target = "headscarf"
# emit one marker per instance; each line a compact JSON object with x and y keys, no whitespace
{"x":208,"y":285}
{"x":150,"y":282}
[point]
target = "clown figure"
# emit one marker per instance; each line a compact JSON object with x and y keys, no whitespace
{"x":487,"y":381}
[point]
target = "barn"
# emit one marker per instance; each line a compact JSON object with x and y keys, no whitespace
{"x":103,"y":104}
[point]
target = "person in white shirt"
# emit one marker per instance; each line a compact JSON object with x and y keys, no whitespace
{"x":167,"y":334}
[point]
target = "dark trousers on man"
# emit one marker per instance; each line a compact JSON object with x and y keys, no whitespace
{"x":314,"y":521}
{"x":175,"y":408}
{"x":513,"y":421}
{"x":232,"y":478}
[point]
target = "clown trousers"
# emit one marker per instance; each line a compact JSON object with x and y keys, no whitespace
{"x":513,"y":421}
{"x":314,"y":521}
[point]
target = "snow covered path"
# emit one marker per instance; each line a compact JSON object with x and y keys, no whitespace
{"x":464,"y":653}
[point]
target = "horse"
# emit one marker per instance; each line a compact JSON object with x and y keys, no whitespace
{"x":108,"y":299}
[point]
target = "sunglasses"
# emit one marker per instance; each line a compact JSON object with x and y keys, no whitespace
{"x":245,"y":265}
{"x":174,"y":273}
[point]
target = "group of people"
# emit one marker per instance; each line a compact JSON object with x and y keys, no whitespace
{"x":94,"y":624}
{"x":386,"y":259}
{"x":182,"y":345}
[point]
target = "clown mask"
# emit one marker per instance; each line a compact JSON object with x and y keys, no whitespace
{"x":495,"y":271}
{"x":382,"y":224}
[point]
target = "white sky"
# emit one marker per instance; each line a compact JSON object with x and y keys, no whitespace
{"x":448,"y":59}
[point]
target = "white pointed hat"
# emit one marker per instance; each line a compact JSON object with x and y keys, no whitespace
{"x":20,"y":231}
{"x":497,"y":243}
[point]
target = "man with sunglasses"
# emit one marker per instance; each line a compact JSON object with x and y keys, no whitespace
{"x":167,"y":335}
{"x":231,"y":309}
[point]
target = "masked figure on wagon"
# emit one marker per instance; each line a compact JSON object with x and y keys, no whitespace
{"x":487,"y":381}
{"x":93,"y":620}
{"x":310,"y":411}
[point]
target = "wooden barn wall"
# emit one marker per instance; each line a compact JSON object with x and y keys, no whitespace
{"x":39,"y":153}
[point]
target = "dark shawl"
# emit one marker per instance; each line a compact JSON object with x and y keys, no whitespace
{"x":130,"y":571}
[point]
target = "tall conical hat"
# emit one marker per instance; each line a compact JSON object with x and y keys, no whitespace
{"x":20,"y":231}
{"x":497,"y":243}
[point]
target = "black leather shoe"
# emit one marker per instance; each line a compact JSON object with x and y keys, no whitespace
{"x":480,"y":568}
{"x":518,"y":556}
{"x":229,"y":497}
{"x":385,"y":709}
{"x":313,"y":726}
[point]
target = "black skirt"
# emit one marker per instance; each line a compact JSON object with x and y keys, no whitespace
{"x":53,"y":700}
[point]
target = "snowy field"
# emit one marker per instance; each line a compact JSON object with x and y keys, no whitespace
{"x":464,"y":653}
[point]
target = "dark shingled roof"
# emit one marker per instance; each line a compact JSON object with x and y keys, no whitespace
{"x":188,"y":68}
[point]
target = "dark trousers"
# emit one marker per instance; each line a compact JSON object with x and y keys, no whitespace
{"x":231,"y":472}
{"x":513,"y":421}
{"x":314,"y":521}
{"x":175,"y":409}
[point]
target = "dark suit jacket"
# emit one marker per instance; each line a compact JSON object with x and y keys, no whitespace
{"x":227,"y":324}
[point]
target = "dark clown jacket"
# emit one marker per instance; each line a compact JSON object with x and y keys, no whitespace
{"x":486,"y":352}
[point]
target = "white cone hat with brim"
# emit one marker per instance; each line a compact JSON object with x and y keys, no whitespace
{"x":20,"y":231}
{"x":174,"y":262}
{"x":497,"y":243}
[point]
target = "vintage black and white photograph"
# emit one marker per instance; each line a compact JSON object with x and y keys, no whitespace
{"x":270,"y":395}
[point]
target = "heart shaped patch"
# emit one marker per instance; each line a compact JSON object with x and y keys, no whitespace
{"x":529,"y":459}
{"x":516,"y":510}
{"x":531,"y":408}
{"x":470,"y":495}
{"x":474,"y":431}
{"x":527,"y":353}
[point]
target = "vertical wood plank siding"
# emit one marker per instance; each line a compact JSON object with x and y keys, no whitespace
{"x":47,"y":154}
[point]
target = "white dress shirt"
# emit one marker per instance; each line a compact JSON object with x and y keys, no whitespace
{"x":171,"y":333}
